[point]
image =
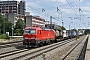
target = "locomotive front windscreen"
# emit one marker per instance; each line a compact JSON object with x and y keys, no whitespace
{"x":30,"y":31}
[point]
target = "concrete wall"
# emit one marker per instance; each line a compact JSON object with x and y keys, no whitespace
{"x":11,"y":17}
{"x":29,"y":20}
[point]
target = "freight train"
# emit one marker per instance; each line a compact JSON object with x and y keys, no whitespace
{"x":36,"y":36}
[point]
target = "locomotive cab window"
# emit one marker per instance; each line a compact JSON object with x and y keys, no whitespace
{"x":30,"y":31}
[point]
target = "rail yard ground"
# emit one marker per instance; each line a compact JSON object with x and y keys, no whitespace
{"x":12,"y":39}
{"x":70,"y":49}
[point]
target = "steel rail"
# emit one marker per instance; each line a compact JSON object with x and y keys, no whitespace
{"x":56,"y":46}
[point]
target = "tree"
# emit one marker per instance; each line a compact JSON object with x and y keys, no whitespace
{"x":74,"y":30}
{"x":87,"y":31}
{"x":20,"y":24}
{"x":8,"y":26}
{"x":5,"y":25}
{"x":62,"y":28}
{"x":1,"y":23}
{"x":18,"y":29}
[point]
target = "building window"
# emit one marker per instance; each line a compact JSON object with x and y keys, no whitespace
{"x":14,"y":11}
{"x":7,"y":12}
{"x":3,"y":7}
{"x":10,"y":11}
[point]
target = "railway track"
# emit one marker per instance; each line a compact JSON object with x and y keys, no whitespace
{"x":10,"y":44}
{"x":74,"y":53}
{"x":64,"y":53}
{"x":13,"y":41}
{"x":19,"y":54}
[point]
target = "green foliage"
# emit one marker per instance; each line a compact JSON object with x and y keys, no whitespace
{"x":18,"y":29}
{"x":7,"y":37}
{"x":87,"y":31}
{"x":8,"y":25}
{"x":1,"y":23}
{"x":62,"y":28}
{"x":74,"y":30}
{"x":77,"y":37}
{"x":18,"y":32}
{"x":20,"y":24}
{"x":4,"y":36}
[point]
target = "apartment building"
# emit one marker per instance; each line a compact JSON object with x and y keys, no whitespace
{"x":15,"y":7}
{"x":13,"y":10}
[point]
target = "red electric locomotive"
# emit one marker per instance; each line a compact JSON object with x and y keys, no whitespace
{"x":35,"y":36}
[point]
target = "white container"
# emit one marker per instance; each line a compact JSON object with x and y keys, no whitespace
{"x":64,"y":34}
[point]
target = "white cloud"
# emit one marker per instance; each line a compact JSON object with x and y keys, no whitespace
{"x":88,"y":3}
{"x":12,"y":0}
{"x":19,"y":0}
{"x":86,"y":13}
{"x":33,"y":4}
{"x":68,"y":11}
{"x":86,"y":8}
{"x":62,"y":1}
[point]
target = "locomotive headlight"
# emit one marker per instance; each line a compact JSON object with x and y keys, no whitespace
{"x":34,"y":38}
{"x":25,"y":38}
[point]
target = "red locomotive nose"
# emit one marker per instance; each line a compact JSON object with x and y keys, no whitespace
{"x":29,"y":36}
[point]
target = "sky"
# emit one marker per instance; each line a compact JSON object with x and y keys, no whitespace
{"x":74,"y":13}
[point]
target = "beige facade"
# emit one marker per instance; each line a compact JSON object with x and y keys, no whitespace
{"x":37,"y":21}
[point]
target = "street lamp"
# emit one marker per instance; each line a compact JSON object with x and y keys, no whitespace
{"x":70,"y":22}
{"x":88,"y":17}
{"x":50,"y":22}
{"x":88,"y":22}
{"x":61,"y":16}
{"x":62,"y":23}
{"x":12,"y":30}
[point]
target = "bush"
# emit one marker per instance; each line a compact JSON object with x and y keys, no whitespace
{"x":4,"y":36}
{"x":77,"y":37}
{"x":7,"y":37}
{"x":17,"y":34}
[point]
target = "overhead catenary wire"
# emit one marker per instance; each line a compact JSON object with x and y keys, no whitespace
{"x":44,"y":10}
{"x":72,"y":7}
{"x":59,"y":6}
{"x":39,"y":11}
{"x":53,"y":7}
{"x":80,"y":12}
{"x":79,"y":9}
{"x":42,"y":3}
{"x":45,"y":6}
